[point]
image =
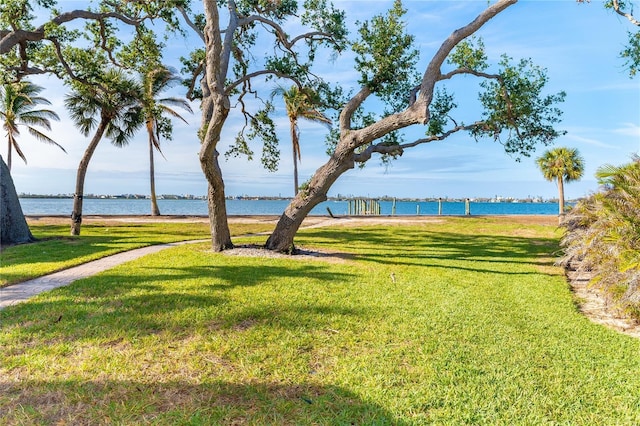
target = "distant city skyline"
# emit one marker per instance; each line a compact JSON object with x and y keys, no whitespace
{"x":578,"y":44}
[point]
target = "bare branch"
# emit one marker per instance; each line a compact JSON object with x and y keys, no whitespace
{"x":432,"y":72}
{"x":458,"y":71}
{"x":282,"y":35}
{"x":67,"y":67}
{"x":380,"y":148}
{"x":248,"y":77}
{"x":227,"y":47}
{"x":436,"y":138}
{"x":190,"y":23}
{"x":629,"y":16}
{"x":350,"y":108}
{"x":193,"y":82}
{"x":11,"y":38}
{"x":103,"y":44}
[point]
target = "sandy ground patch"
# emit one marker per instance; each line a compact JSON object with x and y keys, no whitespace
{"x":595,"y":307}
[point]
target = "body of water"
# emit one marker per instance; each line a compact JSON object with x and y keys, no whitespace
{"x":63,"y":206}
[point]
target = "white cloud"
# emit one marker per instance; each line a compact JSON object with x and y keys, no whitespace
{"x":629,"y":129}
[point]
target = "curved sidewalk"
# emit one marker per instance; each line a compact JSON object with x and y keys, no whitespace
{"x":20,"y":292}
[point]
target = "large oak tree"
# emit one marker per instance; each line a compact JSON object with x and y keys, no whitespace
{"x":225,"y":72}
{"x":516,"y":111}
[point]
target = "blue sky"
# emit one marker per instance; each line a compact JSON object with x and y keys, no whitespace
{"x":578,"y":44}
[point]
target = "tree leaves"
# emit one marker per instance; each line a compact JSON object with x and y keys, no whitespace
{"x":517,"y":113}
{"x":386,"y":57}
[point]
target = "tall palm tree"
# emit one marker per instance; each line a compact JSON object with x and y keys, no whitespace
{"x":154,"y":82}
{"x":300,"y":103}
{"x":561,"y":164}
{"x":17,"y":109}
{"x":112,"y":108}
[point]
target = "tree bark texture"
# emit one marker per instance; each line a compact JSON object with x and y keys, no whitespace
{"x":76,"y":213}
{"x":9,"y":153}
{"x":215,"y":109}
{"x":13,"y":225}
{"x":281,"y":239}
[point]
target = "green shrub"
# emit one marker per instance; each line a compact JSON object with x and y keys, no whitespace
{"x":603,"y":236}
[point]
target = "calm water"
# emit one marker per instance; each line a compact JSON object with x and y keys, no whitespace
{"x":58,"y":206}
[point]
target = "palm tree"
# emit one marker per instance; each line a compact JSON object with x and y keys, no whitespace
{"x":300,"y":103}
{"x":563,"y":165}
{"x":112,"y":108}
{"x":154,"y":82}
{"x":17,"y":108}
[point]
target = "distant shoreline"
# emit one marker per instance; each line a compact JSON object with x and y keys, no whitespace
{"x":270,"y":198}
{"x":339,"y":220}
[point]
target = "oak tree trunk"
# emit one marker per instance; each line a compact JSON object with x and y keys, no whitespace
{"x":215,"y":108}
{"x":13,"y":225}
{"x":76,"y":213}
{"x":220,"y":234}
{"x":281,"y":239}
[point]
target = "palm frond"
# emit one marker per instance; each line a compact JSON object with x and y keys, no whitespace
{"x":44,"y":138}
{"x":14,"y":144}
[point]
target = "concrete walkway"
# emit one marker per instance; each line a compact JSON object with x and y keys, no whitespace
{"x":20,"y":292}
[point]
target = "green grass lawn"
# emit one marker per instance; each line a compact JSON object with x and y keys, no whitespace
{"x":476,"y":327}
{"x":57,"y":250}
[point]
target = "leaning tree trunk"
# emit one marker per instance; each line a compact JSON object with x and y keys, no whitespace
{"x":13,"y":225}
{"x":281,"y":239}
{"x":155,"y":210}
{"x":76,"y":213}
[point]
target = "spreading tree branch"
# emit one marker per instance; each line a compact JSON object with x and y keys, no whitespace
{"x":9,"y":39}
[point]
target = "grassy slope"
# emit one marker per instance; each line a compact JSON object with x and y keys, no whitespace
{"x":478,"y":328}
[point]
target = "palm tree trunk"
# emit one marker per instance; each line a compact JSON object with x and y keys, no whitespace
{"x":296,"y":153}
{"x":295,"y":175}
{"x":76,"y":213}
{"x":560,"y":197}
{"x":155,"y":211}
{"x":9,"y":153}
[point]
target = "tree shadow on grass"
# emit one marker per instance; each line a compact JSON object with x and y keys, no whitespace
{"x":405,"y":246}
{"x":209,"y":402}
{"x":115,"y":304}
